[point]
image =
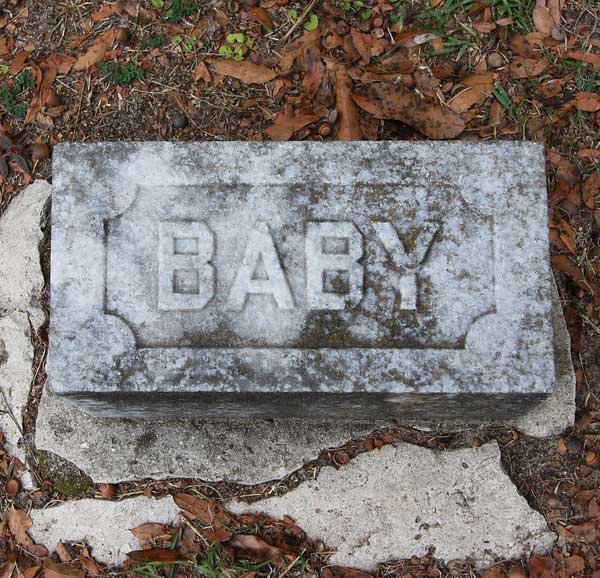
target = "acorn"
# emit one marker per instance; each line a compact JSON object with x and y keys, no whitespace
{"x":378,"y":22}
{"x":40,"y":151}
{"x":377,"y":33}
{"x":12,"y":487}
{"x":325,"y":130}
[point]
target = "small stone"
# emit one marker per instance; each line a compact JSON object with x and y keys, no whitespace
{"x":178,"y":119}
{"x":557,"y":34}
{"x":495,"y":60}
{"x":332,"y":116}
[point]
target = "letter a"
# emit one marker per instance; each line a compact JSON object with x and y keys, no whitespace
{"x":260,"y":250}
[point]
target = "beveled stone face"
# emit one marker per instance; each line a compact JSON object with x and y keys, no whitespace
{"x":323,"y":276}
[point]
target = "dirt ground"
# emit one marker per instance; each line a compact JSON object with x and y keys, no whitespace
{"x":74,"y":70}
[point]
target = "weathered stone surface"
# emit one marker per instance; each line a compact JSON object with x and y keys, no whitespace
{"x":21,"y":282}
{"x":295,"y":279}
{"x":400,"y":501}
{"x":250,"y":450}
{"x":103,"y":525}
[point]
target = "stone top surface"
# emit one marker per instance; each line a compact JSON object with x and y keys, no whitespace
{"x":300,"y":267}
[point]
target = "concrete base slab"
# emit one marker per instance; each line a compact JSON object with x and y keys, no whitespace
{"x":402,"y":501}
{"x":245,"y":451}
{"x":21,"y":282}
{"x":105,"y":526}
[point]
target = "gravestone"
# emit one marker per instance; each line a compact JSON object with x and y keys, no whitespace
{"x":301,"y":279}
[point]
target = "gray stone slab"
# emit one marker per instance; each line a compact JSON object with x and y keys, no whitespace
{"x":248,"y":450}
{"x":401,"y":501}
{"x":301,"y":279}
{"x":21,"y":283}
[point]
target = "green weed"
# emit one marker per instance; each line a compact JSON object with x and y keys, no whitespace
{"x":9,"y":94}
{"x":121,"y":74}
{"x":153,"y":42}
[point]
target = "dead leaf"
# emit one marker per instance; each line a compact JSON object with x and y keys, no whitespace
{"x":201,"y":73}
{"x":343,"y":572}
{"x":58,"y":570}
{"x":18,"y":63}
{"x":107,"y":10}
{"x":588,"y":57}
{"x":528,"y":67}
{"x":287,"y":122}
{"x":255,"y":548}
{"x":543,"y":20}
{"x":262,"y":16}
{"x":541,"y":567}
{"x":18,"y":524}
{"x":30,"y":572}
{"x":591,"y":189}
{"x":203,"y":509}
{"x":167,"y":555}
{"x":148,"y":532}
{"x":297,"y":48}
{"x":587,"y":101}
{"x":244,"y":70}
{"x":362,"y":44}
{"x":97,"y":52}
{"x":399,"y":103}
{"x":7,"y":569}
{"x":349,"y":125}
{"x":479,"y":88}
{"x":588,"y":153}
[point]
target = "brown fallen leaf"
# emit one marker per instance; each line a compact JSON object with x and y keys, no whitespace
{"x":528,"y":67}
{"x":362,"y":44}
{"x":587,"y":101}
{"x":349,"y":124}
{"x":591,"y":188}
{"x":18,"y":63}
{"x":7,"y":569}
{"x":543,"y":20}
{"x":541,"y":567}
{"x":18,"y":524}
{"x":588,"y":57}
{"x":298,"y":47}
{"x":262,"y":16}
{"x":287,"y":122}
{"x":201,"y":73}
{"x":97,"y":52}
{"x":255,"y":548}
{"x":343,"y":572}
{"x":244,"y":70}
{"x":479,"y":87}
{"x":588,"y":153}
{"x":148,"y":532}
{"x":203,"y":509}
{"x":30,"y":572}
{"x":167,"y":555}
{"x":399,"y":103}
{"x":58,"y":570}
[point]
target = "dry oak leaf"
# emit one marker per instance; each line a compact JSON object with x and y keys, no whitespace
{"x":349,"y":122}
{"x":287,"y":122}
{"x":255,"y":548}
{"x":543,"y":20}
{"x":107,"y":10}
{"x":262,"y":16}
{"x":97,"y":52}
{"x":147,"y":532}
{"x":588,"y":154}
{"x":7,"y":569}
{"x":18,"y":524}
{"x":297,"y":48}
{"x":244,"y":70}
{"x":587,"y":101}
{"x":201,"y":73}
{"x":528,"y":67}
{"x":541,"y":567}
{"x":588,"y":57}
{"x":202,"y":509}
{"x":57,"y":570}
{"x":399,"y":103}
{"x":479,"y":87}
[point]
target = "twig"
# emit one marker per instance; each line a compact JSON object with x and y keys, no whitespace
{"x":298,"y":22}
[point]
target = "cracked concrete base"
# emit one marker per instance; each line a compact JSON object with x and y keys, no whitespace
{"x":245,"y":451}
{"x":21,"y":282}
{"x":103,"y":525}
{"x":384,"y":505}
{"x":401,"y":501}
